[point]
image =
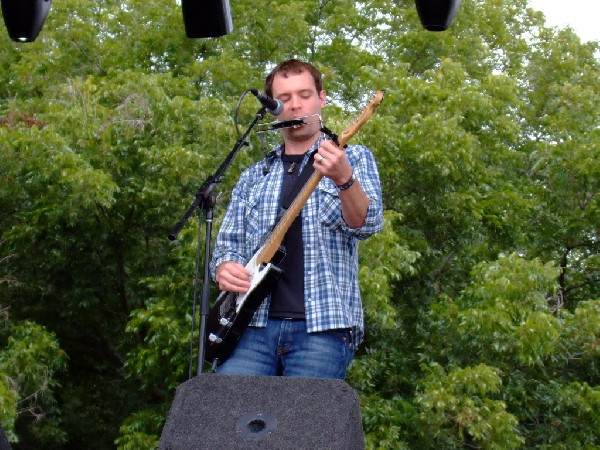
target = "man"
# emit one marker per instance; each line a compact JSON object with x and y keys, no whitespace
{"x":312,"y":322}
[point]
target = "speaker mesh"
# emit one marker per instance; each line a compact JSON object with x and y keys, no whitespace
{"x":237,"y":412}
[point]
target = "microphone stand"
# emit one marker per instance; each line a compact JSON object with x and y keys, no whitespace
{"x":205,"y":201}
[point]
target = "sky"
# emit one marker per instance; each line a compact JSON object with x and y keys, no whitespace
{"x":581,"y":15}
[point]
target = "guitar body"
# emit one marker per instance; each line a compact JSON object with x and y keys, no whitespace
{"x":232,"y":312}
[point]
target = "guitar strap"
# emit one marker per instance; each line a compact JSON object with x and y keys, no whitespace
{"x":297,"y":187}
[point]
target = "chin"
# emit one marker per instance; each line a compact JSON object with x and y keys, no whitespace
{"x":300,"y":135}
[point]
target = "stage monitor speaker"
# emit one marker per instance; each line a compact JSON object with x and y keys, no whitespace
{"x":216,"y":412}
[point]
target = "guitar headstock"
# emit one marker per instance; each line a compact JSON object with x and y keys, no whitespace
{"x":365,"y":114}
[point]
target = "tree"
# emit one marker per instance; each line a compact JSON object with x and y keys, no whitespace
{"x":29,"y":364}
{"x":481,"y":294}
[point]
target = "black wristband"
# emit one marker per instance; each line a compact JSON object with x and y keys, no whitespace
{"x":346,"y":185}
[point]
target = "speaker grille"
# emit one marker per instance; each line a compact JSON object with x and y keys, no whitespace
{"x":234,"y":412}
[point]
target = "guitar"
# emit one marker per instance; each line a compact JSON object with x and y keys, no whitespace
{"x":232,"y":312}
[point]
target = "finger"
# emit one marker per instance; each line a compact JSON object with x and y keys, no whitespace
{"x":234,"y":284}
{"x":238,"y":271}
{"x":330,"y":147}
{"x":332,"y":153}
{"x":233,"y":277}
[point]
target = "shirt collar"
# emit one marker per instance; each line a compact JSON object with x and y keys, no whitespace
{"x":277,"y":151}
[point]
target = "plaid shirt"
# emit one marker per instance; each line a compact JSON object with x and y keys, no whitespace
{"x":331,"y":292}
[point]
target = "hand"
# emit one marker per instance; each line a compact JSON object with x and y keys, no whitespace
{"x":333,"y":163}
{"x":233,"y":277}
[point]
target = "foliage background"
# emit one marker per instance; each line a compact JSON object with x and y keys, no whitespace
{"x":481,"y":295}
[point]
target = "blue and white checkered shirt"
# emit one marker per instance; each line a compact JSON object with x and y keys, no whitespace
{"x":331,"y":293}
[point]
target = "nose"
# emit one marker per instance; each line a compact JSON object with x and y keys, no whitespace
{"x":295,"y":103}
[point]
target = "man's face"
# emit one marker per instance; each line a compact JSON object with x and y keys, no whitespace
{"x":300,"y":98}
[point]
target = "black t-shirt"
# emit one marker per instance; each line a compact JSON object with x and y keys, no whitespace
{"x":287,"y":298}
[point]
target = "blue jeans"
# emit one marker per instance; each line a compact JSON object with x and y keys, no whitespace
{"x":284,"y":348}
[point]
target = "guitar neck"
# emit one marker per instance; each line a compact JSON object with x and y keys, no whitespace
{"x":273,"y":242}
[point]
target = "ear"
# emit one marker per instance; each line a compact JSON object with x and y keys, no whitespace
{"x":323,"y":97}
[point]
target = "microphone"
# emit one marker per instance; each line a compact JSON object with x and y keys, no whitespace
{"x":274,"y":105}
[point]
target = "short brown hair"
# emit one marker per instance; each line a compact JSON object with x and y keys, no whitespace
{"x":294,"y":66}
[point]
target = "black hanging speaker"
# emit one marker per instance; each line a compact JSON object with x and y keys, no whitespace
{"x":437,"y":15}
{"x":206,"y":18}
{"x":24,"y":18}
{"x":240,"y":412}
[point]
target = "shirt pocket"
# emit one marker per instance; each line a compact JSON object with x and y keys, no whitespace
{"x":259,"y":214}
{"x":330,"y":207}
